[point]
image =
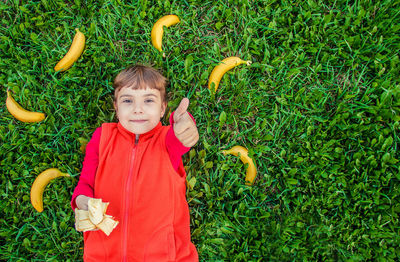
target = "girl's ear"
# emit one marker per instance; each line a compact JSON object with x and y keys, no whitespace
{"x":163,"y":108}
{"x":115,"y":106}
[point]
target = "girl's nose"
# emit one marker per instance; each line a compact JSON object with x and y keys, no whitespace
{"x":137,"y":108}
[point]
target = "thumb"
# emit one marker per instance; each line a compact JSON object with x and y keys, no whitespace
{"x":181,"y":109}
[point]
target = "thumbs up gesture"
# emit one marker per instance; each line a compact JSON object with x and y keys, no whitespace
{"x":184,"y":127}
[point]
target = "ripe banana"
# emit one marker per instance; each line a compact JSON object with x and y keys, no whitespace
{"x":157,"y":31}
{"x":20,"y":113}
{"x":251,"y":169}
{"x":76,"y":49}
{"x":227,"y":64}
{"x":39,"y":185}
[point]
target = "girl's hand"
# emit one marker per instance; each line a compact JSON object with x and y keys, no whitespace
{"x":81,"y":202}
{"x":184,"y":127}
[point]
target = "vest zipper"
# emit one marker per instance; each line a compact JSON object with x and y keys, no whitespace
{"x":126,"y":214}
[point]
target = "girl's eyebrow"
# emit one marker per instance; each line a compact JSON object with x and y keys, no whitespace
{"x":150,"y":95}
{"x":145,"y":95}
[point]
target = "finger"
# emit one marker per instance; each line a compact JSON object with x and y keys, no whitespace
{"x":82,"y":206}
{"x":82,"y":202}
{"x":190,"y":141}
{"x":188,"y":133}
{"x":180,"y":129}
{"x":181,"y":109}
{"x":190,"y":137}
{"x":185,"y":123}
{"x":181,"y":125}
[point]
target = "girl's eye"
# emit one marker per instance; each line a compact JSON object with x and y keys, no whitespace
{"x":149,"y":100}
{"x":127,"y":101}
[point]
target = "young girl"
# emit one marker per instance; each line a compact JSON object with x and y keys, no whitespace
{"x":136,"y":166}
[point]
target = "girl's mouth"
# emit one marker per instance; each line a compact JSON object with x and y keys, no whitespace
{"x":138,"y":121}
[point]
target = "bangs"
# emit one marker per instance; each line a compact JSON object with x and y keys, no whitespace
{"x":140,"y":77}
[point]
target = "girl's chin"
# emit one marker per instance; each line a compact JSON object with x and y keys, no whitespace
{"x":137,"y":130}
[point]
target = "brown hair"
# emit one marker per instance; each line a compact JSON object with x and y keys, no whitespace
{"x":140,"y":77}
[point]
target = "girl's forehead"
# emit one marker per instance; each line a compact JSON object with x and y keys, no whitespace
{"x":138,"y":92}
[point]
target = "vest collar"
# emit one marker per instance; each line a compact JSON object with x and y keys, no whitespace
{"x":143,"y":137}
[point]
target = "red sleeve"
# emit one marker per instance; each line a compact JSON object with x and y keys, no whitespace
{"x":175,"y":148}
{"x":86,"y":180}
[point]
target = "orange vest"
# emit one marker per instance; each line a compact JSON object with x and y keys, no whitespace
{"x":146,"y":195}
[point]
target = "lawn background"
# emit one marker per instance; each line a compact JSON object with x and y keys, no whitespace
{"x":318,"y":110}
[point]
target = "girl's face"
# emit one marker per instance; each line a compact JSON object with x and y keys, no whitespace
{"x":140,"y":110}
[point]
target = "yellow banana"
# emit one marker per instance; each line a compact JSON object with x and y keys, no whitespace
{"x":157,"y":31}
{"x":251,"y":169}
{"x":227,"y":64}
{"x":39,"y":185}
{"x":76,"y":49}
{"x":20,"y":113}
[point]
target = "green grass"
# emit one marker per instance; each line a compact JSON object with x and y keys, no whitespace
{"x":318,"y":109}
